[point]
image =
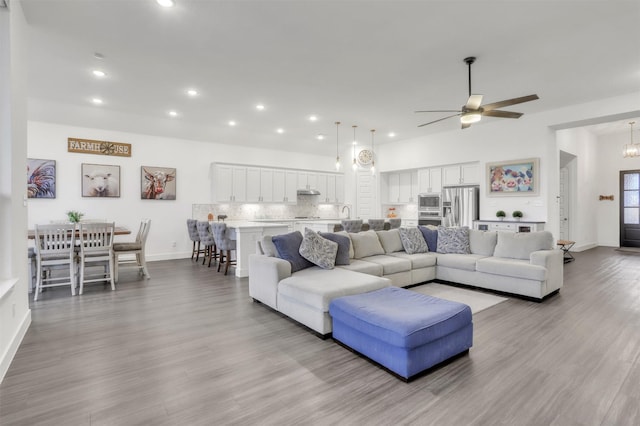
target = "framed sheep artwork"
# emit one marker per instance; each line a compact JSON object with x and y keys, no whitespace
{"x":517,"y":177}
{"x":157,"y":183}
{"x":41,"y":178}
{"x":100,"y":180}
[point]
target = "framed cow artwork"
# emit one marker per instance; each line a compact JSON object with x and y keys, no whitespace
{"x":157,"y":183}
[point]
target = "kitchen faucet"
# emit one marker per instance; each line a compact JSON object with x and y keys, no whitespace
{"x":348,"y":211}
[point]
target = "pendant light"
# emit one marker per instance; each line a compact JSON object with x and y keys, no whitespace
{"x":373,"y":158}
{"x":631,"y":149}
{"x":354,"y":165}
{"x":337,"y":150}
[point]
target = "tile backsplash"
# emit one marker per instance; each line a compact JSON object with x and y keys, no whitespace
{"x":307,"y":206}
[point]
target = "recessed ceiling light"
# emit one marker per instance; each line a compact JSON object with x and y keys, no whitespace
{"x":97,"y":101}
{"x":173,"y":113}
{"x":259,"y":107}
{"x":166,"y":3}
{"x":313,"y":118}
{"x":99,"y":73}
{"x":280,"y":130}
{"x":232,"y":123}
{"x":392,"y":135}
{"x":320,"y":137}
{"x":192,"y":92}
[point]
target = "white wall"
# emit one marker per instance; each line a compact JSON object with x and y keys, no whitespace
{"x":191,"y":159}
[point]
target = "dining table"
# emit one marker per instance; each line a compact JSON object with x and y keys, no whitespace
{"x":118,"y":230}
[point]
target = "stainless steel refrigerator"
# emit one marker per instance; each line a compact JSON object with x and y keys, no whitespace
{"x":460,"y":205}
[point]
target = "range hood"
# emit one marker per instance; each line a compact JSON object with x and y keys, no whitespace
{"x":308,"y":192}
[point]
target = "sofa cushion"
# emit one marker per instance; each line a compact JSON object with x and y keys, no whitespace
{"x":413,"y":241}
{"x":520,"y":245}
{"x":466,"y":262}
{"x":268,"y":248}
{"x":317,"y":287}
{"x":453,"y":240}
{"x":346,"y":234}
{"x":512,"y":268}
{"x":390,"y":264}
{"x":366,"y":244}
{"x":430,"y":234}
{"x":482,"y":242}
{"x":390,"y":240}
{"x":288,"y":247}
{"x":365,"y":267}
{"x":318,"y":250}
{"x":418,"y":260}
{"x":344,"y":244}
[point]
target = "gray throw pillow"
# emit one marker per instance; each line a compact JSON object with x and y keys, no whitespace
{"x":413,"y":241}
{"x":390,"y":240}
{"x":318,"y":250}
{"x":520,"y":245}
{"x":366,"y":244}
{"x":288,"y":246}
{"x":344,"y":243}
{"x":482,"y":242}
{"x":453,"y":240}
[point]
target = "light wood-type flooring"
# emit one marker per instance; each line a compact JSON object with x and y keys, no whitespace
{"x":189,"y":347}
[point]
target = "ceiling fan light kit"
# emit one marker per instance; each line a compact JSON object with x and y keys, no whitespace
{"x":473,"y":110}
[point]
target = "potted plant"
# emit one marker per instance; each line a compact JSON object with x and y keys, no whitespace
{"x":500,"y":214}
{"x":74,"y":216}
{"x":517,"y":215}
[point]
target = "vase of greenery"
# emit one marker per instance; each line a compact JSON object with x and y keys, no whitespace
{"x":500,"y":214}
{"x":517,"y":215}
{"x":74,"y":216}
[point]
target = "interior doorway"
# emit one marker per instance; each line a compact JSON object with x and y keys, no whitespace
{"x":565,"y":194}
{"x":630,"y":208}
{"x":366,"y":199}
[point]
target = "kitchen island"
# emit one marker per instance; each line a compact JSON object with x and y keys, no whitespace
{"x":246,"y":233}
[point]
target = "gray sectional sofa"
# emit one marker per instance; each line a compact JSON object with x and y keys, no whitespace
{"x":524,"y":264}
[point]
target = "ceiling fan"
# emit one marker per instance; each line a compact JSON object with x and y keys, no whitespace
{"x":472,"y":111}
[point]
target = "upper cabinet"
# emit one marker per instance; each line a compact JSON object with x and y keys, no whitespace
{"x":461,"y":174}
{"x":229,"y":183}
{"x":402,"y":187}
{"x":430,"y":180}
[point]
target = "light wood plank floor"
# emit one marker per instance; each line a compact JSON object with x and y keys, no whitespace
{"x":189,"y":347}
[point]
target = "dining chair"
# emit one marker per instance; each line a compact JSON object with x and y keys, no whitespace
{"x":394,"y":223}
{"x":352,"y":225}
{"x":54,"y":249}
{"x":376,"y":224}
{"x":135,"y":248}
{"x":192,"y":227}
{"x":96,"y":249}
{"x":225,"y":245}
{"x":206,"y":239}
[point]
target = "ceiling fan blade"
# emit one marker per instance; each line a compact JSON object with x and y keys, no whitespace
{"x":435,"y":121}
{"x":464,"y":126}
{"x":474,"y":102}
{"x":441,"y":110}
{"x":502,"y":114}
{"x":507,"y":102}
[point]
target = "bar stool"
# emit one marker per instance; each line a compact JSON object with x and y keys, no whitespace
{"x":225,"y":244}
{"x":394,"y":223}
{"x":206,"y":238}
{"x":195,"y":238}
{"x":352,"y":225}
{"x":376,"y":224}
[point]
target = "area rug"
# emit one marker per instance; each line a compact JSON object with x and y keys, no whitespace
{"x":477,"y":301}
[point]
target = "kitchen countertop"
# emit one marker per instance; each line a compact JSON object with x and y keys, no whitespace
{"x":252,"y":224}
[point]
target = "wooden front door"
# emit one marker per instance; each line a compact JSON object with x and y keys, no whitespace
{"x":630,"y":208}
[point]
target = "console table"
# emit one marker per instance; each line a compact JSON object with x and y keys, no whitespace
{"x":508,"y":225}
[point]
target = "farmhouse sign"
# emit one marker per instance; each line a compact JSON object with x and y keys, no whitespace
{"x":88,"y":146}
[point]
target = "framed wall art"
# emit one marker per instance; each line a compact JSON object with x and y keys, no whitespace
{"x":517,"y":177}
{"x":157,"y":183}
{"x":100,"y":180}
{"x":41,"y":178}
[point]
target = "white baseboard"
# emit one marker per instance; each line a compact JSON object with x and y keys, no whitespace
{"x":168,"y":256}
{"x":7,"y":357}
{"x":583,"y":247}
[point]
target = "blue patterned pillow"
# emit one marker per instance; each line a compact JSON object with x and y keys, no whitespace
{"x":413,"y":241}
{"x":288,"y":246}
{"x":430,"y":236}
{"x":318,"y":250}
{"x":344,"y":242}
{"x":453,"y":240}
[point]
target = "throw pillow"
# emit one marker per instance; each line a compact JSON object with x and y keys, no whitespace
{"x":453,"y":240}
{"x":318,"y":250}
{"x":288,"y":246}
{"x":346,"y":234}
{"x":482,"y":242}
{"x":413,"y":241}
{"x":366,"y":244}
{"x":344,"y":244}
{"x":520,"y":245}
{"x":268,"y":248}
{"x":430,"y":236}
{"x":390,"y":240}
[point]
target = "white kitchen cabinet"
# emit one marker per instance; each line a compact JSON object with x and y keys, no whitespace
{"x":409,"y":222}
{"x":430,"y":180}
{"x":253,"y":185}
{"x":509,"y":226}
{"x":461,"y":174}
{"x":307,"y":180}
{"x":321,"y":186}
{"x":229,"y":183}
{"x":404,"y":193}
{"x":402,"y":187}
{"x":339,"y":189}
{"x":290,"y":187}
{"x":266,"y":185}
{"x":393,"y":185}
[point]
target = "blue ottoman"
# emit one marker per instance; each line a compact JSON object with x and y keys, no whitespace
{"x":404,"y":331}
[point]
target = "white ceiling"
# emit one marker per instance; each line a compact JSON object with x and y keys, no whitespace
{"x":369,"y":63}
